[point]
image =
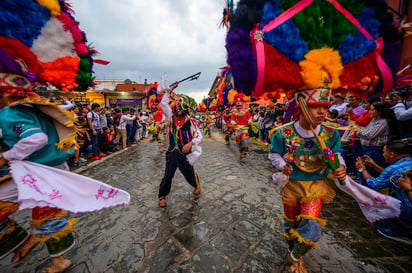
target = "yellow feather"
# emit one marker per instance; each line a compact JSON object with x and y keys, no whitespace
{"x":52,"y":5}
{"x":320,"y":64}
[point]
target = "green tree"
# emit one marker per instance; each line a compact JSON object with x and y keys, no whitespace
{"x":189,"y":100}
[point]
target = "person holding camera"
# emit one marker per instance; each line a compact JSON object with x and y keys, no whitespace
{"x":379,"y":131}
{"x":351,"y":146}
{"x":396,"y":153}
{"x":405,"y":183}
{"x":339,"y":104}
{"x":403,"y":112}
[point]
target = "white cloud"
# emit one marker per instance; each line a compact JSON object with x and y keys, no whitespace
{"x":144,"y":39}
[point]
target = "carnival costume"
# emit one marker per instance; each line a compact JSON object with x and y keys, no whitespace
{"x":180,"y":133}
{"x":153,"y":99}
{"x":304,"y":50}
{"x":206,"y":106}
{"x":307,"y":188}
{"x":208,"y":123}
{"x":44,"y":46}
{"x":227,"y":126}
{"x":157,"y":126}
{"x":241,"y":119}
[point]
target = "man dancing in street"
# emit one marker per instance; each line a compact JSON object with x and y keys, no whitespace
{"x":183,"y":134}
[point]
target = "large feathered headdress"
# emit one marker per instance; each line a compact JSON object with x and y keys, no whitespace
{"x":284,"y":46}
{"x":208,"y":104}
{"x":40,"y":42}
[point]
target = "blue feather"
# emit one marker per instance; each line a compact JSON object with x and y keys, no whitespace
{"x":22,"y":20}
{"x":286,"y":37}
{"x":355,"y":46}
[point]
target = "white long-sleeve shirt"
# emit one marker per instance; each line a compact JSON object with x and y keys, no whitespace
{"x":123,"y":121}
{"x":66,"y":106}
{"x":26,"y":146}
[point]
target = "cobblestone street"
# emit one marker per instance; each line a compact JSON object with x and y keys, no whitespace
{"x":234,"y":225}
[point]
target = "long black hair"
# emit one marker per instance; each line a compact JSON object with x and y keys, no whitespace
{"x":387,"y":113}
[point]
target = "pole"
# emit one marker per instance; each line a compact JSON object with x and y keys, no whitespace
{"x":194,"y":76}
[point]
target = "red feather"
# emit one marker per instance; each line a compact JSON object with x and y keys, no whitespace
{"x":102,"y":62}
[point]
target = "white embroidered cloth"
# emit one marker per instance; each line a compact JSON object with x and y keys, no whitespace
{"x":42,"y":186}
{"x":374,"y":205}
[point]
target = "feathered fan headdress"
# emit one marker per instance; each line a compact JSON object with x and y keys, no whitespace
{"x":226,"y":94}
{"x":40,"y":42}
{"x":284,"y":46}
{"x":152,"y":97}
{"x":208,"y":104}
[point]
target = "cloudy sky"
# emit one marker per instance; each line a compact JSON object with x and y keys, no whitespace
{"x":145,"y":39}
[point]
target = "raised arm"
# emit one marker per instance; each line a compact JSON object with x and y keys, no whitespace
{"x":164,"y":103}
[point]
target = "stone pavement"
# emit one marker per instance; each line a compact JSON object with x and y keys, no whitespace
{"x":233,"y":226}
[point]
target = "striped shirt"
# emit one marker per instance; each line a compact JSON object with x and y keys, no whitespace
{"x":375,"y":134}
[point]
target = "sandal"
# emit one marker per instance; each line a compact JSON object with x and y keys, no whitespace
{"x":162,"y":202}
{"x":197,"y":191}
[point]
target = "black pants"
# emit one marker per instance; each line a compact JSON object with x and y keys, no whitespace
{"x":176,"y":160}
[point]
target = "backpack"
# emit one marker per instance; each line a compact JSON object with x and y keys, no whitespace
{"x":117,"y":119}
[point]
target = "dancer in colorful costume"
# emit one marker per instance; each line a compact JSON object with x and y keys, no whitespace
{"x":226,"y":97}
{"x":241,"y":119}
{"x":38,"y":136}
{"x":280,"y":47}
{"x":295,"y":151}
{"x":153,"y":103}
{"x":159,"y":123}
{"x":208,"y":124}
{"x":207,"y":106}
{"x":227,"y":125}
{"x":183,"y":136}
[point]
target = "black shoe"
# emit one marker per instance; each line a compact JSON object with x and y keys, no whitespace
{"x":388,"y":233}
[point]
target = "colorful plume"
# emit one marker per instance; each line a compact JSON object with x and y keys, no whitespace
{"x":44,"y":35}
{"x":279,"y":46}
{"x":208,"y":104}
{"x":152,"y":97}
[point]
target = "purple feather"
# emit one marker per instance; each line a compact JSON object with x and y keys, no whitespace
{"x":241,"y":58}
{"x":7,"y":63}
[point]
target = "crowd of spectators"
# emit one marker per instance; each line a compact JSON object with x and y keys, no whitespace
{"x":104,"y":130}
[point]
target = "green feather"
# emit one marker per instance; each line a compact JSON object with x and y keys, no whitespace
{"x":321,"y":24}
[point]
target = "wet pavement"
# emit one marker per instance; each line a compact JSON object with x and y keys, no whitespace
{"x":233,"y":226}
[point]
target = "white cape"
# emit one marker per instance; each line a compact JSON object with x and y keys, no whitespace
{"x":43,"y":186}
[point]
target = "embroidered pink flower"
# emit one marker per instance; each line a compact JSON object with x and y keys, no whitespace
{"x":106,"y":194}
{"x":382,"y":199}
{"x":55,"y":195}
{"x":29,"y":180}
